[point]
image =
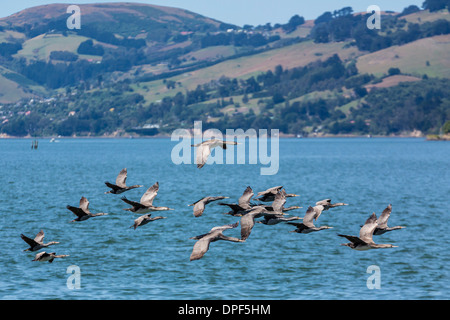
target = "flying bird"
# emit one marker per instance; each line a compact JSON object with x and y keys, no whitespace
{"x":143,"y":220}
{"x":37,"y":243}
{"x":82,"y":212}
{"x":269,"y":194}
{"x":44,"y":256}
{"x":216,"y":233}
{"x":242,"y":205}
{"x":145,"y":204}
{"x":307,"y":225}
{"x":382,"y":226}
{"x":324,"y":205}
{"x":204,"y":149}
{"x":365,"y":241}
{"x":199,"y":206}
{"x":248,"y":220}
{"x":120,"y":185}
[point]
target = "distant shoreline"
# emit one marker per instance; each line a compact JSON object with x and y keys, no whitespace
{"x":283,"y":136}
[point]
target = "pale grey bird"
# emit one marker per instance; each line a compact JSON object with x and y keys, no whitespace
{"x":144,"y":219}
{"x":120,"y":185}
{"x":37,"y":243}
{"x":199,"y":206}
{"x":324,"y":205}
{"x":204,"y":149}
{"x":382,"y":226}
{"x":365,"y":240}
{"x":278,"y":203}
{"x":202,"y":245}
{"x":44,"y":256}
{"x":307,"y":225}
{"x":82,"y":212}
{"x":248,"y":220}
{"x":145,"y":204}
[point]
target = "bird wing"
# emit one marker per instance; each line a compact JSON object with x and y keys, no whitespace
{"x":200,"y":248}
{"x":199,"y":207}
{"x":233,"y":206}
{"x":366,"y":232}
{"x":77,"y":211}
{"x":353,"y":239}
{"x":112,"y":186}
{"x":30,"y":241}
{"x":122,"y":178}
{"x":299,"y":225}
{"x":39,"y":255}
{"x":318,"y":210}
{"x":211,"y":199}
{"x":225,"y":227}
{"x":203,"y":152}
{"x":40,"y":236}
{"x":383,"y":219}
{"x":84,"y":204}
{"x":273,"y":190}
{"x":150,"y":194}
{"x":279,"y":202}
{"x":309,"y":217}
{"x":138,"y":221}
{"x":244,"y":200}
{"x":133,"y":203}
{"x":323,"y":202}
{"x":247,"y":224}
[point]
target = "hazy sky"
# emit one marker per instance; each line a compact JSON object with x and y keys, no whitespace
{"x":239,"y":12}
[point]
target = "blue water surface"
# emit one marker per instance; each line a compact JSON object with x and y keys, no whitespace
{"x":152,"y":262}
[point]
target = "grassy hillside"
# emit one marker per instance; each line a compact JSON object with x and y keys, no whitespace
{"x":144,"y":64}
{"x":430,"y":56}
{"x":40,"y":47}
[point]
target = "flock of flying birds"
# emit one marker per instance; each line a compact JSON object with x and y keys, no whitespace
{"x":248,"y":212}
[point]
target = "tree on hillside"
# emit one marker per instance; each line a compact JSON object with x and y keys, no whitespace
{"x":435,"y":5}
{"x":325,"y":17}
{"x":410,"y":9}
{"x":293,"y":23}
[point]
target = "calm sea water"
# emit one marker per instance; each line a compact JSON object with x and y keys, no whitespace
{"x":152,"y":262}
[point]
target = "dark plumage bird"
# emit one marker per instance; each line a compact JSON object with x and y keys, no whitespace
{"x":204,"y":149}
{"x":242,"y":205}
{"x":143,"y":220}
{"x":145,"y":204}
{"x":199,"y":206}
{"x":365,"y":240}
{"x":382,"y":226}
{"x":82,"y":212}
{"x":44,"y":256}
{"x":120,"y":185}
{"x":307,"y":225}
{"x":269,"y":194}
{"x":216,"y":233}
{"x":37,"y":243}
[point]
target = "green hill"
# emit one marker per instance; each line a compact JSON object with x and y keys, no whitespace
{"x":132,"y":65}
